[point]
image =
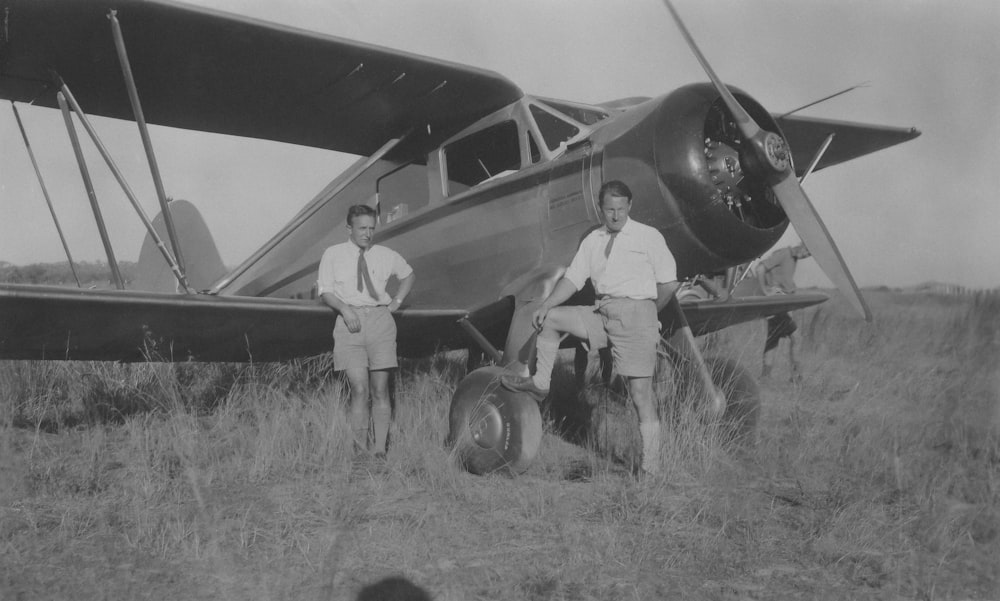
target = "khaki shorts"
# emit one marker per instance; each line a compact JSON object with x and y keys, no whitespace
{"x":374,"y":347}
{"x":778,"y":326}
{"x":630,"y":328}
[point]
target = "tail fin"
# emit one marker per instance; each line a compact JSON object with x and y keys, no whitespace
{"x":203,"y":265}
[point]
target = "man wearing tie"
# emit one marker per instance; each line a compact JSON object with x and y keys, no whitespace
{"x":352,"y":280}
{"x":634,"y":276}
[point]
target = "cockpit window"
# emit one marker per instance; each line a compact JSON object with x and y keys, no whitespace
{"x":554,"y":130}
{"x":536,"y":154}
{"x":402,"y":191}
{"x":484,"y":154}
{"x":581,"y":114}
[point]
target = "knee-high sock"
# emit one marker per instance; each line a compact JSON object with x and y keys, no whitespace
{"x":650,"y":432}
{"x":381,"y":416}
{"x":545,"y":359}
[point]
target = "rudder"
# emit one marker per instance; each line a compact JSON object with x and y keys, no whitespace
{"x":203,"y":264}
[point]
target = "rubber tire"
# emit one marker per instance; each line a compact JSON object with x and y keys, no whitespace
{"x":512,"y":435}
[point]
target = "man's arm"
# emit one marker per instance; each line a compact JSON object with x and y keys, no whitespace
{"x":663,"y":293}
{"x":351,"y":319}
{"x":560,"y":294}
{"x":405,"y":285}
{"x":762,"y":277}
{"x":325,"y":282}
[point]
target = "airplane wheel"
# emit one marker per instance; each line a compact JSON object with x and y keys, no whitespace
{"x":491,"y":428}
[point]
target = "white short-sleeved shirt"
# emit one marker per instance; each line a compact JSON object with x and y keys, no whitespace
{"x":639,"y":261}
{"x":779,"y":271}
{"x":338,"y":273}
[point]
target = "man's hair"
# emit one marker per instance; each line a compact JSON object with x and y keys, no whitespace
{"x":614,"y":188}
{"x":357,"y":210}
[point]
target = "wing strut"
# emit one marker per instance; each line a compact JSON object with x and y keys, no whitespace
{"x":89,"y":185}
{"x":481,"y":340}
{"x":815,"y":160}
{"x":683,"y":342}
{"x":140,"y":120}
{"x":824,"y":99}
{"x":178,"y":273}
{"x":45,"y":193}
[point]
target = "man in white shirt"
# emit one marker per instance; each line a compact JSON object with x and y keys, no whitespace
{"x":352,"y":280}
{"x":634,"y":276}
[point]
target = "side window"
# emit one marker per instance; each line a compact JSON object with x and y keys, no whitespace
{"x":585,"y":115}
{"x":403,"y":191}
{"x":482,"y":155}
{"x":554,"y":130}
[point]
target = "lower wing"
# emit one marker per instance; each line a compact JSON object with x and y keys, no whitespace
{"x":58,"y":323}
{"x":705,"y":316}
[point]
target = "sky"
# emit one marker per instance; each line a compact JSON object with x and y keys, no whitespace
{"x":927,"y":210}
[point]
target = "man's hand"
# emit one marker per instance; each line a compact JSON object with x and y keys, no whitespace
{"x":351,"y":320}
{"x":559,"y":295}
{"x":394,"y":305}
{"x":538,"y":317}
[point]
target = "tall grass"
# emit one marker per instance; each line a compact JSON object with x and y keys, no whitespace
{"x":896,"y":440}
{"x":876,"y":477}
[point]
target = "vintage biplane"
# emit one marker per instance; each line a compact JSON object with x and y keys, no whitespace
{"x":485,"y":189}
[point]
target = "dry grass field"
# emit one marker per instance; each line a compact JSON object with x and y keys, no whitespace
{"x":877,"y":477}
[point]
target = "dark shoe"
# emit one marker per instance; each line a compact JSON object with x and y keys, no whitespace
{"x":524,"y":384}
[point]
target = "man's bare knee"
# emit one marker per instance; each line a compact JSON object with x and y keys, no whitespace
{"x":358,"y":380}
{"x":641,"y":390}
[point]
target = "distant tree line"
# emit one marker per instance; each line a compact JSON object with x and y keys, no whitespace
{"x":95,"y":274}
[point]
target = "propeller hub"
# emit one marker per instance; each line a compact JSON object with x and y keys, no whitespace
{"x":776,"y":152}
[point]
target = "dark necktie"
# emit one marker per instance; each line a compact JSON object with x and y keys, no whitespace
{"x":364,"y":277}
{"x":611,"y":242}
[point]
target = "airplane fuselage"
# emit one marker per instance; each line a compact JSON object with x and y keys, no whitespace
{"x":479,"y":244}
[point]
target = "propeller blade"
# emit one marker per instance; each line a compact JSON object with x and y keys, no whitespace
{"x":748,"y":127}
{"x":773,"y":154}
{"x":817,"y":239}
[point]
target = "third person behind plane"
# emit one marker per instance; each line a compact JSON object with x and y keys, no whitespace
{"x":634,"y":276}
{"x":776,"y":275}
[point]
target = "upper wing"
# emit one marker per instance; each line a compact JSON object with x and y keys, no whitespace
{"x":197,"y":68}
{"x":59,"y":323}
{"x":805,"y":136}
{"x":712,"y":315}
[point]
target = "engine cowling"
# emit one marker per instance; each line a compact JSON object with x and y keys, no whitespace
{"x":715,"y":211}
